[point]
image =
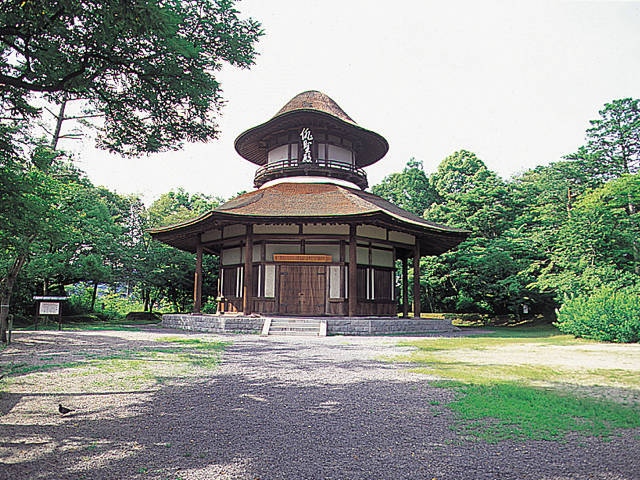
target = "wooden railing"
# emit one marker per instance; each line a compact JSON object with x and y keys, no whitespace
{"x":322,"y":168}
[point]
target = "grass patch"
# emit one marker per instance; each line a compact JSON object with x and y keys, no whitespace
{"x":197,"y":343}
{"x":85,"y":323}
{"x":127,"y":369}
{"x":511,"y":386}
{"x":26,"y":368}
{"x":150,"y":363}
{"x":486,"y":374}
{"x":505,"y":411}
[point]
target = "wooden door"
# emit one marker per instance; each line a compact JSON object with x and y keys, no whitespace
{"x":302,"y":289}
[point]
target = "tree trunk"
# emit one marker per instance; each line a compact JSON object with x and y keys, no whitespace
{"x":94,"y":296}
{"x":631,"y":210}
{"x":7,"y":291}
{"x":145,"y":300}
{"x":59,"y":119}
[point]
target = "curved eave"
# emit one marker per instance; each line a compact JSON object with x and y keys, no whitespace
{"x":249,"y":144}
{"x":433,"y":239}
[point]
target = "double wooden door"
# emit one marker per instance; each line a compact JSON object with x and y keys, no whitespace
{"x":302,"y":289}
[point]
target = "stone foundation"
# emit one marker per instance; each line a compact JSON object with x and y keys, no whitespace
{"x":335,"y":325}
{"x":213,"y":323}
{"x":387,"y":326}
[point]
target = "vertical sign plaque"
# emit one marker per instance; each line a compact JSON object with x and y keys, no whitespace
{"x":307,"y":142}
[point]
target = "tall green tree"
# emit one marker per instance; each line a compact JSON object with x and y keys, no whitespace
{"x":143,"y":72}
{"x":595,"y":247}
{"x":469,"y":195}
{"x":543,"y":200}
{"x":481,"y":275}
{"x":164,"y":272}
{"x":409,"y":189}
{"x":613,"y":140}
{"x":146,"y":68}
{"x":31,"y":210}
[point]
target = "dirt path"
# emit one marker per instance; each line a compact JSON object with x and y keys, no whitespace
{"x":277,"y":408}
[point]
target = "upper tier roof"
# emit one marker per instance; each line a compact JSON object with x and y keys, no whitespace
{"x":312,"y":109}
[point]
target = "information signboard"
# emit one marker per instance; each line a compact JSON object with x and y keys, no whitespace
{"x":49,"y":308}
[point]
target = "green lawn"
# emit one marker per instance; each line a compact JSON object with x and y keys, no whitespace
{"x":533,"y":382}
{"x":132,"y":370}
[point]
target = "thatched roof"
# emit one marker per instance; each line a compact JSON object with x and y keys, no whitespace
{"x":312,"y":109}
{"x":314,"y":100}
{"x":313,"y":203}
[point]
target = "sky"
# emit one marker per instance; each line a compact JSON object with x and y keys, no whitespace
{"x":515,"y":82}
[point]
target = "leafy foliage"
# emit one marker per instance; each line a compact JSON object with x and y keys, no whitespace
{"x":597,"y":243}
{"x":167,"y":273}
{"x":608,"y":314}
{"x":409,"y":189}
{"x":147,"y":68}
{"x":554,"y":232}
{"x":614,"y":140}
{"x":143,"y":74}
{"x":481,"y":275}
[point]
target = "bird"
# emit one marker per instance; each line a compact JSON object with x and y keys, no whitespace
{"x":64,"y":410}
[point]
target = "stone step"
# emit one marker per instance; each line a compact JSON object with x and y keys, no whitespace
{"x":295,"y":326}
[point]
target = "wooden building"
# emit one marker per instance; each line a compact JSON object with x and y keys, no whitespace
{"x":310,"y":241}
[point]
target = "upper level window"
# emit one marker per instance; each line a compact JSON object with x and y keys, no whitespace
{"x":334,"y":153}
{"x":322,"y":147}
{"x":283,"y":152}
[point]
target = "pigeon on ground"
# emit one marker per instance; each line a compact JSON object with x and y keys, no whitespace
{"x":64,"y":410}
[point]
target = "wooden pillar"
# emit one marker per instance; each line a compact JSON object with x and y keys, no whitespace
{"x":353,"y":272}
{"x":197,"y":281}
{"x":247,"y":291}
{"x":416,"y":281}
{"x":405,"y":287}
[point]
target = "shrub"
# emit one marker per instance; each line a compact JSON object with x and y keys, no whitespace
{"x":607,"y":314}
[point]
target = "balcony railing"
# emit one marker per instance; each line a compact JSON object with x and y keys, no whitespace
{"x":321,"y":168}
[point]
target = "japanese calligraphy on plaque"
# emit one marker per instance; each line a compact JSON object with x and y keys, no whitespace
{"x":307,"y":142}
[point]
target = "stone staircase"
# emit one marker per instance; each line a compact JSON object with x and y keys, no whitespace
{"x":295,"y":326}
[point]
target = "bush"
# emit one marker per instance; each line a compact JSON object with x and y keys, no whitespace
{"x":608,"y":315}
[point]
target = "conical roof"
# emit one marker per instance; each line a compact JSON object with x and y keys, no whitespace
{"x":315,"y":100}
{"x":310,"y":109}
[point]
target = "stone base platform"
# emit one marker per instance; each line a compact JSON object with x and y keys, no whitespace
{"x":335,"y":325}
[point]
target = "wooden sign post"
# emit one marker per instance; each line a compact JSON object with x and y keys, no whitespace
{"x":49,"y":307}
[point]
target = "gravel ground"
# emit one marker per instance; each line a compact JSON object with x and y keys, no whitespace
{"x":277,"y":408}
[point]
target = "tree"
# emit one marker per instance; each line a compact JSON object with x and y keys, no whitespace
{"x":29,"y":196}
{"x":146,"y":67}
{"x":543,"y":199}
{"x":481,"y":275}
{"x":409,"y":189}
{"x":613,"y":140}
{"x":167,"y":273}
{"x":613,"y":151}
{"x":469,"y":195}
{"x":596,"y":246}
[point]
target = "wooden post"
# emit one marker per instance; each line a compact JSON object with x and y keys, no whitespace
{"x":405,"y":288}
{"x":416,"y":281}
{"x":197,"y":281}
{"x":353,"y":272}
{"x":247,"y":293}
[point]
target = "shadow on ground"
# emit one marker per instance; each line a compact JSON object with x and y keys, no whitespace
{"x":284,"y":411}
